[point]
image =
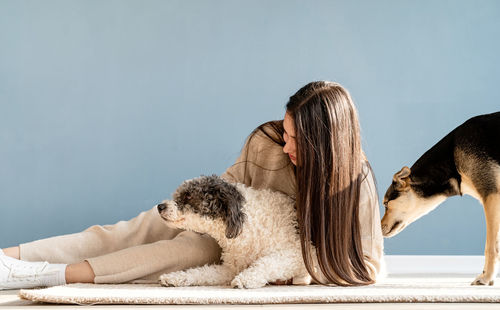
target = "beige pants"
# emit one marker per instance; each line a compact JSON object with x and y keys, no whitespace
{"x":138,"y":251}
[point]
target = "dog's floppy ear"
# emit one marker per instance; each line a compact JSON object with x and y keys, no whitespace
{"x":402,"y":179}
{"x":234,"y":222}
{"x":233,"y":202}
{"x":234,"y":216}
{"x":227,"y":200}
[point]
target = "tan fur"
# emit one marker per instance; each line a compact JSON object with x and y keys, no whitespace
{"x":402,"y":178}
{"x":497,"y":173}
{"x":492,"y":215}
{"x":409,"y":207}
{"x":467,"y":188}
{"x":466,"y":164}
{"x":491,"y":251}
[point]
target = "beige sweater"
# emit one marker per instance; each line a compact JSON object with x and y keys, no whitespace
{"x":269,"y":167}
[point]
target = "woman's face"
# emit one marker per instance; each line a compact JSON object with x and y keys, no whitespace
{"x":289,"y":136}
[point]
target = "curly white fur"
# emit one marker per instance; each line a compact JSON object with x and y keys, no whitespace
{"x":267,"y":249}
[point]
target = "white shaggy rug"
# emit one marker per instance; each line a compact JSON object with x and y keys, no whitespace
{"x":400,"y":288}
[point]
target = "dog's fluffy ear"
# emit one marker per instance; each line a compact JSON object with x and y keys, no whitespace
{"x":232,"y":201}
{"x":234,"y":219}
{"x":401,"y":179}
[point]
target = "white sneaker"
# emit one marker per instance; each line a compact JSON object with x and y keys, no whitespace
{"x":16,"y":274}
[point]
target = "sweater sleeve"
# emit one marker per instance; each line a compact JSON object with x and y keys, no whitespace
{"x":262,"y":164}
{"x":236,"y":172}
{"x":371,"y":233}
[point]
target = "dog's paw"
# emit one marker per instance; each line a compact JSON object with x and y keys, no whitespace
{"x":241,"y":282}
{"x":482,"y":279}
{"x":174,"y":279}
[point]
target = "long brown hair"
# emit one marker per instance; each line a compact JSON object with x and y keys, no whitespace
{"x":329,"y":175}
{"x":328,"y":178}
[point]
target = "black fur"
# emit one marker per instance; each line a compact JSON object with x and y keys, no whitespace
{"x":213,"y":197}
{"x":392,"y":193}
{"x":436,"y":171}
{"x":479,"y":137}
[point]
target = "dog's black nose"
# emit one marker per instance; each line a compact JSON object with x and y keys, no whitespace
{"x":161,"y":207}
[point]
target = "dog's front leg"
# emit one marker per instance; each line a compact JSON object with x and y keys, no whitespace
{"x":491,"y":255}
{"x":208,"y":275}
{"x":281,"y":265}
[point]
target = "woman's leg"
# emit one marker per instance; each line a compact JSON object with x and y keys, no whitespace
{"x":79,"y":273}
{"x":75,"y":273}
{"x":145,"y":263}
{"x":12,"y":252}
{"x":139,"y":264}
{"x":98,"y":240}
{"x":139,"y":250}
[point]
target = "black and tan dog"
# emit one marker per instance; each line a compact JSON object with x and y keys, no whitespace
{"x":466,"y":161}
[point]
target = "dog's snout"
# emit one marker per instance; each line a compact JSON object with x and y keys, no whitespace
{"x":161,"y":207}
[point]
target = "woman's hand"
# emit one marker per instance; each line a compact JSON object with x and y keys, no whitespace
{"x":282,"y":282}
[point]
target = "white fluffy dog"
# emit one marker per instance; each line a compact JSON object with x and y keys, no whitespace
{"x":256,"y":229}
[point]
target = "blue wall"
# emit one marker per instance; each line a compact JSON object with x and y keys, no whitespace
{"x":106,"y":106}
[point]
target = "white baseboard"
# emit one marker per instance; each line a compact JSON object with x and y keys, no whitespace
{"x":461,"y":264}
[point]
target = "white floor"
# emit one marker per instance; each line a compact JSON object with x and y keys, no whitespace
{"x":396,"y":264}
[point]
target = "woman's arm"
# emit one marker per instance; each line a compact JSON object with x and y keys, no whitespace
{"x":369,"y":221}
{"x":262,"y":164}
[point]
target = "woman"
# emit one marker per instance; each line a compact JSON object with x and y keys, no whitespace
{"x":314,"y":155}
